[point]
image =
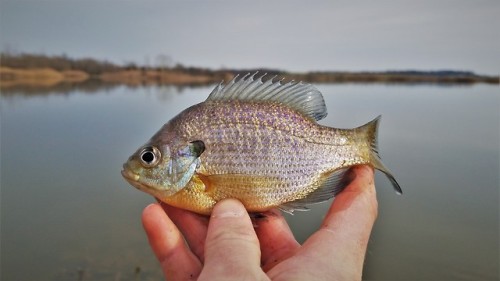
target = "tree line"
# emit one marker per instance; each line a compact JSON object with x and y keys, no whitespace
{"x":165,"y":66}
{"x":57,"y":62}
{"x":91,"y":66}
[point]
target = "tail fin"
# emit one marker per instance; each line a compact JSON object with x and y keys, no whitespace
{"x":370,"y":129}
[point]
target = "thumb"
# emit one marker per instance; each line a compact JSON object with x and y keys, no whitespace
{"x":232,"y":247}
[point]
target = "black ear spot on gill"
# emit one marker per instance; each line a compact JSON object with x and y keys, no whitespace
{"x":197,"y":147}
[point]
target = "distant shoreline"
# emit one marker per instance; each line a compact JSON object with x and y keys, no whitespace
{"x":47,"y":77}
{"x":33,"y":70}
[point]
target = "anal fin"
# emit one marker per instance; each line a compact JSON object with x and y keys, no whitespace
{"x":334,"y":183}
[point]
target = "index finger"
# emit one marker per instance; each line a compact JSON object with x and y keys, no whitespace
{"x":277,"y":242}
{"x":348,"y":224}
{"x":177,"y":261}
{"x":192,"y":226}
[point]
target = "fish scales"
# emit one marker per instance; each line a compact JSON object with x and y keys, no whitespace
{"x":274,"y":142}
{"x":242,"y":136}
{"x":264,"y":153}
{"x":270,"y":143}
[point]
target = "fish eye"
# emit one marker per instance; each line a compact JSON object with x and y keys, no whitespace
{"x":150,"y":156}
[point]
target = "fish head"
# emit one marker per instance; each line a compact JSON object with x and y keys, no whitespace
{"x":163,"y":169}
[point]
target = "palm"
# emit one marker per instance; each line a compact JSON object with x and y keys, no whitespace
{"x":336,"y":249}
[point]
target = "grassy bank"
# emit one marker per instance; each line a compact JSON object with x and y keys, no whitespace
{"x":46,"y":71}
{"x":39,"y":77}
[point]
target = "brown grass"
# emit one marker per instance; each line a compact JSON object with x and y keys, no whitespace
{"x":38,"y":77}
{"x":47,"y":77}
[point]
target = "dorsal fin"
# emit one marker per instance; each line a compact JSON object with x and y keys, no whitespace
{"x":304,"y":98}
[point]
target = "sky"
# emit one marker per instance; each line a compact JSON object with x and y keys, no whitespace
{"x":288,"y":35}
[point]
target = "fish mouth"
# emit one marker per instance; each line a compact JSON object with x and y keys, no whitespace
{"x":132,"y":178}
{"x":129,"y":175}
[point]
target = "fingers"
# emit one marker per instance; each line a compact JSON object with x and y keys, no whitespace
{"x":192,"y":226}
{"x":177,"y":261}
{"x":232,"y":248}
{"x":357,"y":200}
{"x":277,"y":242}
{"x":348,"y":225}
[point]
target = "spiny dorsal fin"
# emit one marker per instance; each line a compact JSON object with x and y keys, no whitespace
{"x":304,"y":98}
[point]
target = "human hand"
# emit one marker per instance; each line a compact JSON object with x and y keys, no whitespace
{"x":227,"y":247}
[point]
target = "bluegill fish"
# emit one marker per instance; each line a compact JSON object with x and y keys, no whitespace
{"x":255,"y":141}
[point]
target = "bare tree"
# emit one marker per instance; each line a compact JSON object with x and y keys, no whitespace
{"x":164,"y":61}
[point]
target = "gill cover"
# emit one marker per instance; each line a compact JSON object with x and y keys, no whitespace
{"x":182,"y":166}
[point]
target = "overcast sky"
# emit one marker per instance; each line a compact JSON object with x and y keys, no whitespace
{"x":289,"y":35}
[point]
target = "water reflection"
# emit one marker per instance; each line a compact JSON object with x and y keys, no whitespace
{"x":91,"y":86}
{"x":67,"y":214}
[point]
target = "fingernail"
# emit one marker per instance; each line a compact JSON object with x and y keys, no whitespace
{"x":365,"y":168}
{"x":228,"y":208}
{"x":151,"y":205}
{"x":364,"y":171}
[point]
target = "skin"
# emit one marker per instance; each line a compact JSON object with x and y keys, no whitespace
{"x":229,"y":246}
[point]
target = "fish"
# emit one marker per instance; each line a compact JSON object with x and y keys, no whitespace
{"x":256,"y":141}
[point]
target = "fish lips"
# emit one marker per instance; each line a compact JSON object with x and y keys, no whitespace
{"x":132,"y":178}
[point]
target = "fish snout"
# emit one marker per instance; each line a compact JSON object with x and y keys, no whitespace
{"x":128,"y":174}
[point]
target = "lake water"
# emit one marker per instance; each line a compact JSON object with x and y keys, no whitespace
{"x":67,"y":214}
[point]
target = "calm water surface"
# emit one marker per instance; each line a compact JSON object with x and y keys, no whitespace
{"x":66,"y":213}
